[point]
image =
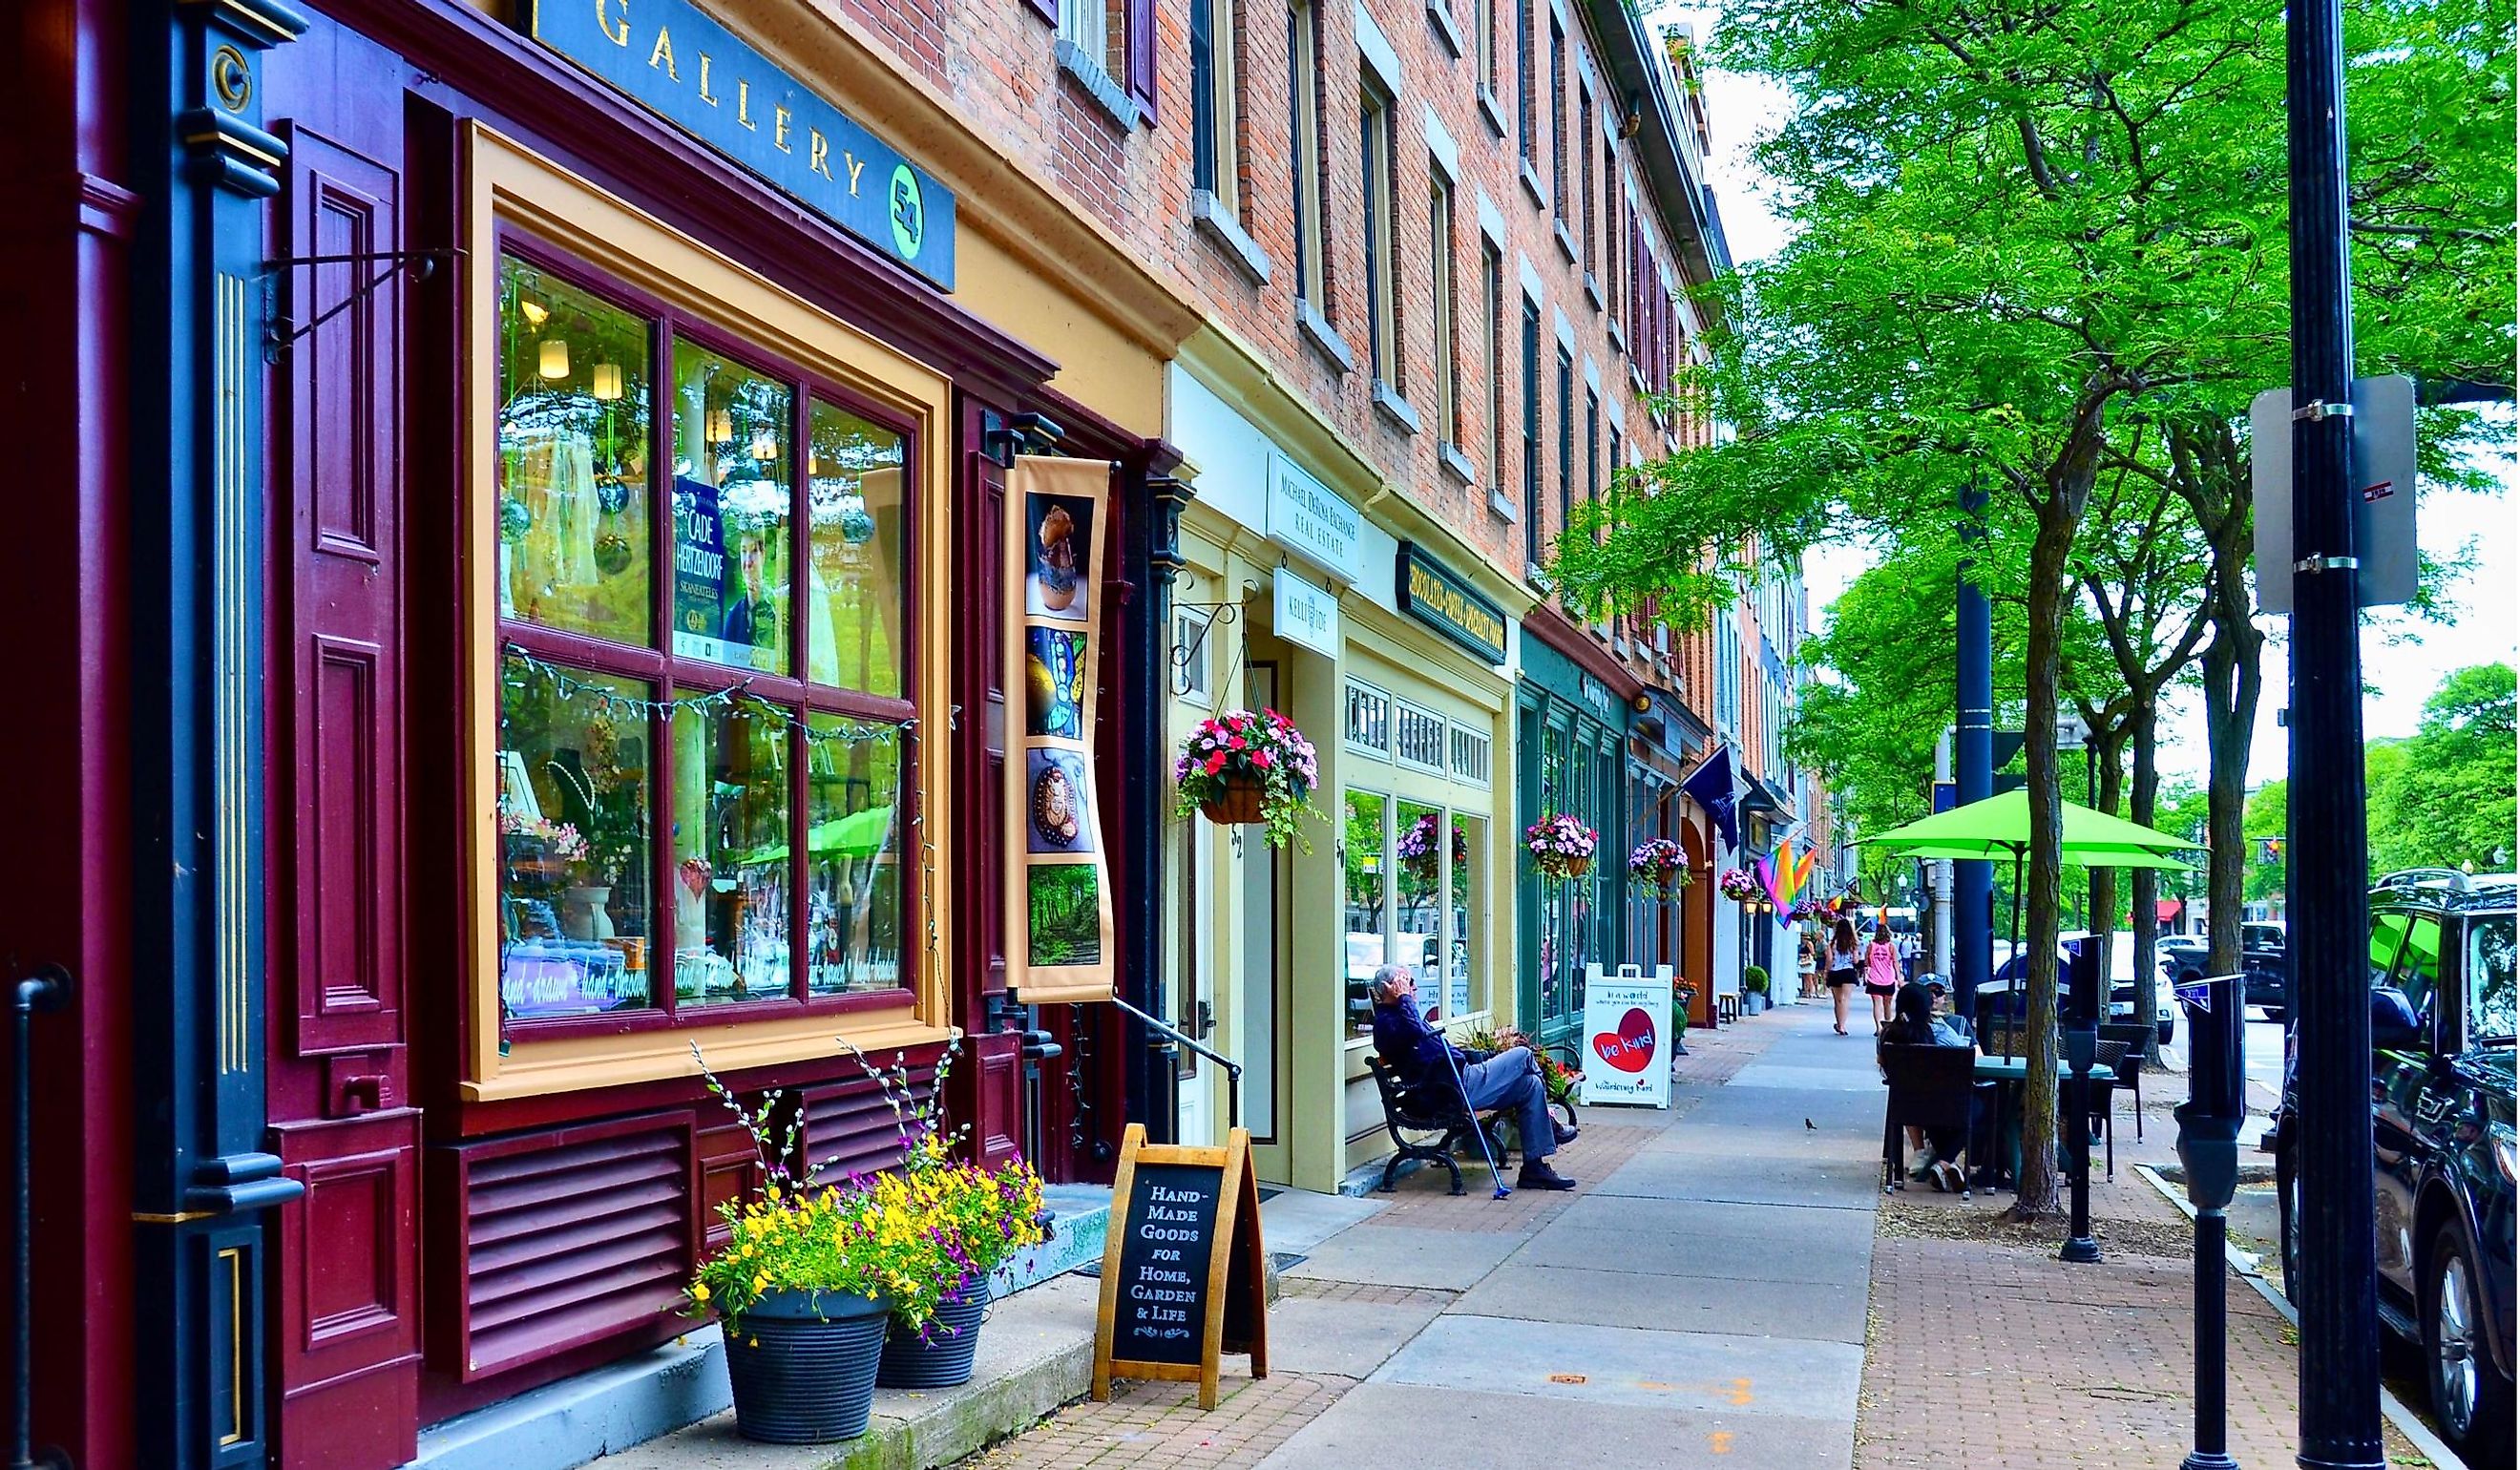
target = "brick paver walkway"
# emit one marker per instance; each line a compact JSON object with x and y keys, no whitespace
{"x":1160,"y":1424}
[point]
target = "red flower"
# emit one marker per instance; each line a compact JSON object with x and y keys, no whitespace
{"x":1260,"y":758}
{"x":1235,"y":744}
{"x":1216,"y":763}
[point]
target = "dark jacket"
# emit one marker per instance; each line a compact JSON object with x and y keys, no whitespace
{"x":1414,"y":1050}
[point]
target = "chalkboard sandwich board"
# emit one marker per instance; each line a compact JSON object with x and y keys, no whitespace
{"x":1181,"y":1274}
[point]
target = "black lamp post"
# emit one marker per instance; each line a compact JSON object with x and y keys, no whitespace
{"x":2209,"y":1155}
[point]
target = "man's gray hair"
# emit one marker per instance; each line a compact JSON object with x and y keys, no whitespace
{"x":1386,"y":980}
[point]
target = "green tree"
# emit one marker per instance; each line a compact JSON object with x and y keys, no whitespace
{"x":2033,"y":245}
{"x":2445,"y":796}
{"x":2261,"y":822}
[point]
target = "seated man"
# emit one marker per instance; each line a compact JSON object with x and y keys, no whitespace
{"x":1431,"y":1066}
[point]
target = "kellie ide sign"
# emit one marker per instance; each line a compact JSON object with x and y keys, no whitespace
{"x":1443,"y":599}
{"x":690,"y":70}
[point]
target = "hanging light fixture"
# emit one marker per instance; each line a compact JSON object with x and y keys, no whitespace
{"x":535,"y":313}
{"x":721,"y":426}
{"x":607,"y":380}
{"x":555,"y":358}
{"x":765,"y":446}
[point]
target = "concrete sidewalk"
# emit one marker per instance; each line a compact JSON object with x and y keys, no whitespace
{"x":1699,"y":1301}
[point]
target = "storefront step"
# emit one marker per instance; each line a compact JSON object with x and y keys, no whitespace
{"x":1035,"y":1355}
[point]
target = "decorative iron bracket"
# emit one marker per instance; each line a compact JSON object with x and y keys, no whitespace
{"x":1217,"y":612}
{"x":278,"y":336}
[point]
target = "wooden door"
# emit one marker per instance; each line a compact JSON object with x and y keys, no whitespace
{"x":345,"y":1309}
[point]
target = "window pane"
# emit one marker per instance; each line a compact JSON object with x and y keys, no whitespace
{"x":730,"y":805}
{"x":2491,"y":1006}
{"x":732,"y":495}
{"x":573,"y":839}
{"x":1417,"y":937}
{"x":853,"y":591}
{"x":854,"y":827}
{"x":573,"y":502}
{"x":1463,"y":990}
{"x":1368,"y":876}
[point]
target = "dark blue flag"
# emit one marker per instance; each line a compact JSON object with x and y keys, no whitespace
{"x":1712,"y":786}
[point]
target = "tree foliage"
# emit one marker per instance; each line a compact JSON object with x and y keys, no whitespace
{"x":2449,"y":799}
{"x":2034,"y":244}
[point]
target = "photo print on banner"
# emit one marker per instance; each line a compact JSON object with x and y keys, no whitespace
{"x":1059,"y":900}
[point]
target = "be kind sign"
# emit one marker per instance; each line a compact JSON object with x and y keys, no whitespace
{"x":1627,"y":1036}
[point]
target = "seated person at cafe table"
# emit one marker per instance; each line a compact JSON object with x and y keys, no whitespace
{"x":1432,"y":1068}
{"x":1913,"y":1023}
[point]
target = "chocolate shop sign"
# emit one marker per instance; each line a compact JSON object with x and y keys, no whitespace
{"x":688,"y":68}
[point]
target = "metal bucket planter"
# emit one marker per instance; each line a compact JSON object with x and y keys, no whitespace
{"x":945,"y":1358}
{"x":803,"y":1367}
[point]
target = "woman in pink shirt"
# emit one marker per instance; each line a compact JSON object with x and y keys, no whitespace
{"x":1881,"y":975}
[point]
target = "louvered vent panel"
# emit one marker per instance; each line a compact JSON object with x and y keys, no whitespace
{"x":573,"y":1237}
{"x":849,"y":1128}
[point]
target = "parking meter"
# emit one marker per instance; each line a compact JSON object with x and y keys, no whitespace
{"x":2209,"y":1152}
{"x":2081,"y":1017}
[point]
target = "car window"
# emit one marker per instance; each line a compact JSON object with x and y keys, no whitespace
{"x":2419,"y":969}
{"x":2388,"y":930}
{"x":2493,"y":1007}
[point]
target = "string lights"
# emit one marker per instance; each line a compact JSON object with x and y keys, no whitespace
{"x":572,"y":687}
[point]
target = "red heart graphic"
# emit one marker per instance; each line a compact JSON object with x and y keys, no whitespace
{"x":1631,"y":1047}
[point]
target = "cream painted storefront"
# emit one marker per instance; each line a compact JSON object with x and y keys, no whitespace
{"x":1291,"y":596}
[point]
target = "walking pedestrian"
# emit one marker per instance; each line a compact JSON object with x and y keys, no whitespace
{"x":1807,"y":966}
{"x":1881,"y":978}
{"x":1843,"y":957}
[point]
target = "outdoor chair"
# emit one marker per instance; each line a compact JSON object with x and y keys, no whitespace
{"x":1404,"y":1116}
{"x":2137,"y":1035}
{"x":1930,"y":1087}
{"x":2108,"y":1059}
{"x":2001,"y":1033}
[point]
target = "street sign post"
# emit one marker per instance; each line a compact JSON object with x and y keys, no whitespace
{"x":2383,"y":479}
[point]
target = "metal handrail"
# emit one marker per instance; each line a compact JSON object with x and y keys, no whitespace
{"x":1232,"y":1068}
{"x":46,"y":989}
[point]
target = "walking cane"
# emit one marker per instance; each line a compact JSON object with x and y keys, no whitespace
{"x":1470,"y":1108}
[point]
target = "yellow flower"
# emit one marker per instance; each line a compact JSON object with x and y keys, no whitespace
{"x":760,"y":1282}
{"x":699,"y":1291}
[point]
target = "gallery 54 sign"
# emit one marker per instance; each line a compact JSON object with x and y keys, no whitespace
{"x":1437,"y":596}
{"x":695,"y":73}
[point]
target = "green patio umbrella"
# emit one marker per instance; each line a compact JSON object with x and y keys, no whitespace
{"x":859,"y":835}
{"x":1999,"y":827}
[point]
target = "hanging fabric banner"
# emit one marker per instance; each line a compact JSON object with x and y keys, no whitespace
{"x":1060,"y":944}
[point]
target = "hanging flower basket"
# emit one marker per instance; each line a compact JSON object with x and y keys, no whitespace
{"x":1739,"y":886}
{"x":1241,"y":799}
{"x":1659,"y":861}
{"x":1561,"y":846}
{"x":1242,"y":767}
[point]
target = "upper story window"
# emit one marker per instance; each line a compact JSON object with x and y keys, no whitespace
{"x":1111,"y":49}
{"x":703,"y":618}
{"x":1483,"y":20}
{"x":1558,"y":113}
{"x":1584,"y":210}
{"x":1215,"y":115}
{"x":1447,"y":345}
{"x":1304,"y":129}
{"x":1381,"y":300}
{"x":1492,"y":273}
{"x":1531,"y":527}
{"x":1527,"y":89}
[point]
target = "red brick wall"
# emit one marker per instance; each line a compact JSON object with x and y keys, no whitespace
{"x":994,"y":59}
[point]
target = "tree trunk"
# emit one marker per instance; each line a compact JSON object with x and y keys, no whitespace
{"x":2108,"y":750}
{"x":2144,"y":796}
{"x":2045,"y":870}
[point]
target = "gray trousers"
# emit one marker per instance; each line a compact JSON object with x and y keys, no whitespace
{"x":1510,"y":1080}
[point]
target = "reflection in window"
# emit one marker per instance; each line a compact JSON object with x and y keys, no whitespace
{"x":855,"y":836}
{"x":1417,"y":921}
{"x":573,"y":842}
{"x":573,"y":502}
{"x":1469,"y":853}
{"x":853,"y":475}
{"x":732,"y":494}
{"x":2419,"y":965}
{"x":1368,"y":890}
{"x":2493,"y":1007}
{"x":730,"y":863}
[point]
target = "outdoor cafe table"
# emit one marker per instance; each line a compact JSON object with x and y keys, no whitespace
{"x":2011,"y":1076}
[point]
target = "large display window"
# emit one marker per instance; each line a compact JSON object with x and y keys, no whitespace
{"x":700,"y":648}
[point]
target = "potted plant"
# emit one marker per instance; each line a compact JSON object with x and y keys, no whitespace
{"x":1239,"y":767}
{"x":1418,"y":851}
{"x":1738,"y":884}
{"x":1561,"y":846}
{"x":1659,"y":862}
{"x":1563,"y":1084}
{"x":808,"y":1279}
{"x":1754,"y":990}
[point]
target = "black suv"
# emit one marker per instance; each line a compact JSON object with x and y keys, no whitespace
{"x":2265,"y":968}
{"x":2443,"y":1016}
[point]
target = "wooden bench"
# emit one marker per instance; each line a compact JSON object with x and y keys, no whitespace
{"x":1452,"y":1130}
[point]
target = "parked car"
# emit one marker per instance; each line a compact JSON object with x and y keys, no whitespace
{"x":2005,"y":994}
{"x":2265,"y":968}
{"x":2443,"y":1012}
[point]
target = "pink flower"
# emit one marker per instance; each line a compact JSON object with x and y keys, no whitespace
{"x":1216,"y":763}
{"x":1260,"y":758}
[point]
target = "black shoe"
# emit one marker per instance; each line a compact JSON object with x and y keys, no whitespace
{"x":1566,"y":1132}
{"x":1536,"y":1174}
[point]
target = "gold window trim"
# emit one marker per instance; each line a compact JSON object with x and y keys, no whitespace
{"x":511,"y":185}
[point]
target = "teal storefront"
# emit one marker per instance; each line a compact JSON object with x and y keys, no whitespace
{"x":1571,"y":756}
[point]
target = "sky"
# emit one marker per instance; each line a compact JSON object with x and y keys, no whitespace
{"x":2403,"y":660}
